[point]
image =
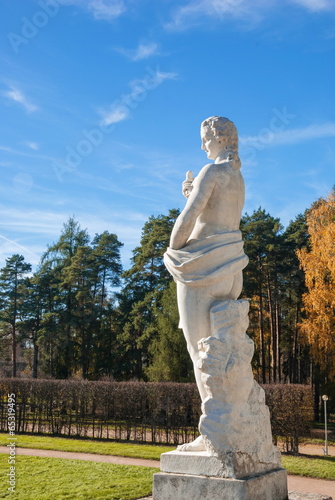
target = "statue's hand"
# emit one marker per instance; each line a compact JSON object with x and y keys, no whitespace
{"x":187,"y":184}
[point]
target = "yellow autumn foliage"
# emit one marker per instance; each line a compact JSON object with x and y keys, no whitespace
{"x":319,"y":266}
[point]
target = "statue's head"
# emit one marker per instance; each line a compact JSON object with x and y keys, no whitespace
{"x":219,"y":134}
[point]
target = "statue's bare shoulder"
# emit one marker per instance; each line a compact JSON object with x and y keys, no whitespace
{"x":213,"y":173}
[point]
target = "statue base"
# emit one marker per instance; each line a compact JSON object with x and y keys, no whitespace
{"x":268,"y":486}
{"x":202,"y":463}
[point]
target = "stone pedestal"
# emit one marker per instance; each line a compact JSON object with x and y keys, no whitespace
{"x":236,"y":465}
{"x":268,"y":486}
{"x":201,"y":476}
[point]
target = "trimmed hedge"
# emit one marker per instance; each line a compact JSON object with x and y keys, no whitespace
{"x":145,"y":412}
{"x":291,"y":412}
{"x":138,"y":411}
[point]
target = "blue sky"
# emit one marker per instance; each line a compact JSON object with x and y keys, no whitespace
{"x":101,"y":103}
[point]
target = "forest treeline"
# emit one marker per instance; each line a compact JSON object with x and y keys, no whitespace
{"x":80,"y":315}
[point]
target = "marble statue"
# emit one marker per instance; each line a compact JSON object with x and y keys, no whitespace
{"x":206,"y":255}
{"x":206,"y":259}
{"x":233,"y":458}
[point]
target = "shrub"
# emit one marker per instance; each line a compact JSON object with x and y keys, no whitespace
{"x":156,"y":412}
{"x":145,"y":412}
{"x":291,"y":412}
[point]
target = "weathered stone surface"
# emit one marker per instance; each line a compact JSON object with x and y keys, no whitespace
{"x":292,"y":495}
{"x":206,"y":255}
{"x":269,"y":486}
{"x":199,"y":463}
{"x":202,"y":463}
{"x":233,"y":458}
{"x":235,"y":422}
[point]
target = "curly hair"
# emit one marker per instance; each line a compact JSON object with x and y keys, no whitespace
{"x":226,"y":133}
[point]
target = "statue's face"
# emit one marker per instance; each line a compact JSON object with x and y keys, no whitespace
{"x":210,"y":143}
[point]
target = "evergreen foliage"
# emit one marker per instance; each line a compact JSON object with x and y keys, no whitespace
{"x":140,"y":298}
{"x":12,"y":295}
{"x":65,"y":312}
{"x":170,"y":359}
{"x":79,"y":316}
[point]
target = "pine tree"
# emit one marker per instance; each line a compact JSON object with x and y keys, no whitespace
{"x":296,"y":360}
{"x":83,"y":303}
{"x":31,"y":318}
{"x":12,"y":291}
{"x":262,"y":236}
{"x":78,"y":277}
{"x":57,"y":258}
{"x":46,"y":282}
{"x":144,"y":283}
{"x":170,"y":360}
{"x":107,"y":263}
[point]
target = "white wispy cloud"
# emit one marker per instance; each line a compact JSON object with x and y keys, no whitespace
{"x":31,"y":221}
{"x":119,"y":110}
{"x":6,"y":149}
{"x":194,"y":12}
{"x":26,"y":154}
{"x":291,"y":136}
{"x":10,"y":246}
{"x":28,"y":232}
{"x":316,"y":5}
{"x":143,"y":51}
{"x":24,"y":231}
{"x":32,"y":145}
{"x":156,"y":77}
{"x":116,"y":113}
{"x":100,"y":9}
{"x":16,"y":95}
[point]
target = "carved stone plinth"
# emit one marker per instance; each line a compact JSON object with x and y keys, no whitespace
{"x":202,"y":463}
{"x":268,"y":486}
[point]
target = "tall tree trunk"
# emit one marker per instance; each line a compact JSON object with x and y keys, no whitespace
{"x":35,"y":360}
{"x":261,"y":337}
{"x":316,"y":384}
{"x":51,"y":363}
{"x":278,"y":330}
{"x":69,"y":361}
{"x":102,"y":292}
{"x":273,"y":341}
{"x":13,"y":351}
{"x":14,"y":327}
{"x":83,"y":353}
{"x":296,"y":375}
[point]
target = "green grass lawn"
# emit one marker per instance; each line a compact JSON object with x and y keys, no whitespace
{"x":318,"y":466}
{"x":58,"y":478}
{"x":310,"y":466}
{"x":151,"y":452}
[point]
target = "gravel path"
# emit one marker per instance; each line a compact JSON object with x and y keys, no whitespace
{"x":315,"y":449}
{"x":295,"y":483}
